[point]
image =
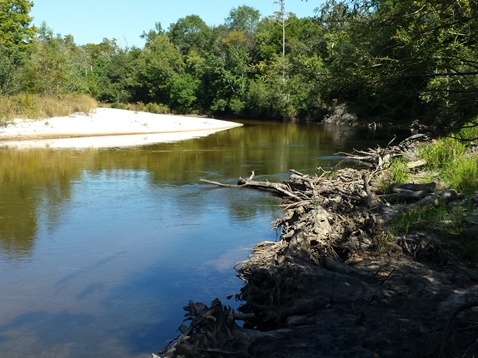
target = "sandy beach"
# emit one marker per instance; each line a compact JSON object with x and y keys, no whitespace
{"x":107,"y":127}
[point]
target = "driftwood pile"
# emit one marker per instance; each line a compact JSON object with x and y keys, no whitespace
{"x":332,"y":222}
{"x":379,"y":157}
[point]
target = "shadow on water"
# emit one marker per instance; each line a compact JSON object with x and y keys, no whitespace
{"x":100,"y":249}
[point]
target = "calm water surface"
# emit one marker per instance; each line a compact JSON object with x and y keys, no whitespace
{"x":100,"y":249}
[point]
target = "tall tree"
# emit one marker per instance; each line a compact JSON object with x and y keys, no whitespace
{"x":15,"y":22}
{"x":281,"y":15}
{"x":151,"y":34}
{"x":157,"y":68}
{"x":419,"y":62}
{"x":55,"y":65}
{"x":111,"y":72}
{"x":11,"y":65}
{"x":189,"y":33}
{"x":243,"y":18}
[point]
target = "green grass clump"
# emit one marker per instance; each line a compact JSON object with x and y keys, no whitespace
{"x":442,"y":152}
{"x":32,"y":106}
{"x":453,"y":164}
{"x":462,"y":174}
{"x":399,"y":172}
{"x":441,"y":219}
{"x":456,"y":167}
{"x":396,"y":173}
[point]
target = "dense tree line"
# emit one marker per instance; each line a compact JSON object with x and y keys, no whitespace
{"x":389,"y":60}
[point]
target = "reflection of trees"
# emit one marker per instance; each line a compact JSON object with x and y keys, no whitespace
{"x":28,"y":178}
{"x":31,"y":178}
{"x":268,"y":148}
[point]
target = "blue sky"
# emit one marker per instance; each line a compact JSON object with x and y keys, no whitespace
{"x":89,"y":21}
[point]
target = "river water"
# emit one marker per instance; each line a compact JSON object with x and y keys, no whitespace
{"x":101,"y":248}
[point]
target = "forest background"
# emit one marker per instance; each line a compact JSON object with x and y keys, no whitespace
{"x":386,"y":61}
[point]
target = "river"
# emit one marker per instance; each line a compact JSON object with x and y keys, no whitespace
{"x":101,"y":248}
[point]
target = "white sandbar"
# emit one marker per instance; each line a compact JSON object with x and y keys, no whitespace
{"x":107,"y":127}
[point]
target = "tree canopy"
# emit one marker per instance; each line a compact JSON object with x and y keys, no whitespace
{"x":15,"y":22}
{"x":397,"y":61}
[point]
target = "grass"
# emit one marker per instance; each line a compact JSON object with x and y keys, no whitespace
{"x":441,"y":219}
{"x":456,"y":167}
{"x":448,"y":224}
{"x":396,"y":173}
{"x":453,"y":164}
{"x":32,"y":106}
{"x":141,"y":107}
{"x":450,"y":163}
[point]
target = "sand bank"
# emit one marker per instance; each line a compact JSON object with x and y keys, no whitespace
{"x":107,"y":127}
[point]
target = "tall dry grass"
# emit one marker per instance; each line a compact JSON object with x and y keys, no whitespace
{"x":32,"y":106}
{"x":141,"y":107}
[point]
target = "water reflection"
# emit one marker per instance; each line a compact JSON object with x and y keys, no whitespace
{"x":29,"y":179}
{"x":103,"y":247}
{"x":36,"y":179}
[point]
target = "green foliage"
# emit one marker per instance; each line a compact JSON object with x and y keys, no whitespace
{"x":151,"y":34}
{"x":156,"y":108}
{"x":15,"y":36}
{"x":111,"y":74}
{"x":11,"y":65}
{"x":441,"y":219}
{"x":456,"y":167}
{"x":442,"y":152}
{"x":15,"y":28}
{"x":182,"y":92}
{"x":447,"y":221}
{"x":469,"y":133}
{"x":156,"y":69}
{"x":399,"y":173}
{"x":243,"y":19}
{"x":462,"y":174}
{"x":418,"y":62}
{"x":189,"y":33}
{"x":55,"y":65}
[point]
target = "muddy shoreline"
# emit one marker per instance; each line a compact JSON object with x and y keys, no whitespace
{"x":337,"y":284}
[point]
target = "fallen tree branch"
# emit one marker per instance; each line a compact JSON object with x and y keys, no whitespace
{"x":220,"y":184}
{"x":282,"y":190}
{"x":379,"y":157}
{"x":445,"y":196}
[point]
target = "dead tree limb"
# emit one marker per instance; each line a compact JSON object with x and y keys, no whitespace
{"x":445,"y":197}
{"x":281,"y":189}
{"x":379,"y":157}
{"x":220,"y":184}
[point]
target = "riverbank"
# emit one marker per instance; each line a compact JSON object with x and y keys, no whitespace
{"x":341,"y":282}
{"x":107,"y":127}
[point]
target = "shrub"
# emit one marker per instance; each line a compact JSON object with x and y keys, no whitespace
{"x":31,"y":106}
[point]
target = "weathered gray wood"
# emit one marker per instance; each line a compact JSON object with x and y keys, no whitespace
{"x":445,"y":196}
{"x":428,"y":187}
{"x":282,"y":189}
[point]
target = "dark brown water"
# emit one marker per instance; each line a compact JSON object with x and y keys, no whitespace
{"x":100,"y":249}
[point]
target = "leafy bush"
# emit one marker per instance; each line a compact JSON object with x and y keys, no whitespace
{"x":157,"y":108}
